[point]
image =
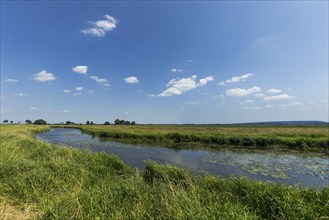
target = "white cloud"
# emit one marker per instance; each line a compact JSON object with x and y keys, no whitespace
{"x":259,"y":95}
{"x":101,"y":81}
{"x":79,"y":88}
{"x":11,"y":80}
{"x":77,"y":93}
{"x":63,"y":111}
{"x":131,"y":79}
{"x":222,"y":83}
{"x":247,"y":101}
{"x":322,"y":104}
{"x":80,"y":69}
{"x":242,"y":92}
{"x":175,"y":70}
{"x":242,"y":78}
{"x":3,"y":97}
{"x":44,"y":76}
{"x":291,"y":104}
{"x":258,"y":107}
{"x":101,"y":27}
{"x":33,"y":108}
{"x":273,"y":91}
{"x":204,"y":81}
{"x":277,"y":97}
{"x":179,"y":86}
{"x":19,"y":94}
{"x":66,"y":91}
{"x":192,"y":103}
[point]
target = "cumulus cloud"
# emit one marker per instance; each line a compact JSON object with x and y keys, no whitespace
{"x":179,"y":86}
{"x":131,"y":79}
{"x":277,"y":97}
{"x":241,"y":78}
{"x":80,"y":69}
{"x":242,"y":92}
{"x":204,"y":81}
{"x":19,"y":94}
{"x":101,"y":81}
{"x":11,"y":80}
{"x":175,"y":70}
{"x":66,"y":91}
{"x":33,"y":108}
{"x":44,"y":76}
{"x":3,"y":97}
{"x":222,"y":83}
{"x":101,"y":27}
{"x":273,"y":91}
{"x":79,"y":88}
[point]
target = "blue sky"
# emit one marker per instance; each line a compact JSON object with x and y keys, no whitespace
{"x":164,"y":62}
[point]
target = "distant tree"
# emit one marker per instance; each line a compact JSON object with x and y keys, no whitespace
{"x":106,"y":123}
{"x":40,"y":122}
{"x":5,"y":121}
{"x":122,"y":122}
{"x":91,"y":122}
{"x":127,"y":123}
{"x":117,"y":121}
{"x":28,"y":121}
{"x":68,"y":122}
{"x":11,"y":122}
{"x":87,"y":123}
{"x":133,"y":123}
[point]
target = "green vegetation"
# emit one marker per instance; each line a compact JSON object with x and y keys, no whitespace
{"x":40,"y":122}
{"x":292,"y":137}
{"x":123,"y":122}
{"x":41,"y":181}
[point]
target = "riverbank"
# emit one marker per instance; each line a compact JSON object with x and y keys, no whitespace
{"x":40,"y":180}
{"x":308,"y":138}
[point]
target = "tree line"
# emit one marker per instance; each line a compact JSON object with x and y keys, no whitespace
{"x":43,"y":122}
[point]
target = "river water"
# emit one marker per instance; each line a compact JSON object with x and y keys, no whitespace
{"x":289,"y":167}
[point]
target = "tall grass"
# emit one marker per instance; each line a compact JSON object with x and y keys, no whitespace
{"x":55,"y":182}
{"x":300,"y":138}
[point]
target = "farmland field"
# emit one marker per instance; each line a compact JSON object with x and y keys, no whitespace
{"x":44,"y":181}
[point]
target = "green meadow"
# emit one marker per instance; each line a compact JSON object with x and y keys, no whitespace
{"x":216,"y":136}
{"x":39,"y":180}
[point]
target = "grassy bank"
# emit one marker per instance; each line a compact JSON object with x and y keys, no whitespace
{"x":292,"y":137}
{"x":40,"y":180}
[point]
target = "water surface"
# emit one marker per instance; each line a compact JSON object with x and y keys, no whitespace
{"x":306,"y":169}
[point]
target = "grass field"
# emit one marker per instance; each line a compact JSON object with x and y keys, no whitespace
{"x":293,"y":137}
{"x":42,"y":181}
